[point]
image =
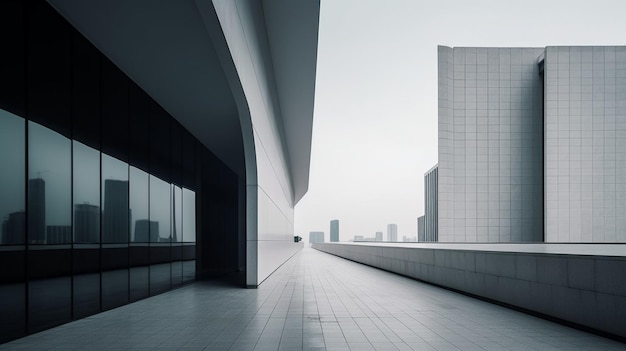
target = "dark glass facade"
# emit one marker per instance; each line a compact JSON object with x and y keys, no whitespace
{"x":104,"y":197}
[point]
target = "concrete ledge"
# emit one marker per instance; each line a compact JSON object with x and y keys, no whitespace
{"x":586,"y":290}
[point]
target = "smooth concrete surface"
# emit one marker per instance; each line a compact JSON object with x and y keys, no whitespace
{"x":585,"y":143}
{"x":582,"y":288}
{"x":566,"y":249}
{"x":314,"y":301}
{"x":280,"y":128}
{"x":490,"y":145}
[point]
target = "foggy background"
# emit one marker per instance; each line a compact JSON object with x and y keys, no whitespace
{"x":375,"y":119}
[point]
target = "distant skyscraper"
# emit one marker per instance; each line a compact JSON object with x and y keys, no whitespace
{"x":58,"y":234}
{"x":14,"y":228}
{"x":334,"y":230}
{"x":359,"y":238}
{"x":316,"y":237}
{"x":146,"y":231}
{"x":36,"y":211}
{"x":421,"y":230}
{"x":392,"y":232}
{"x":431,"y":203}
{"x":115,"y":218}
{"x":86,"y":223}
{"x":379,"y":236}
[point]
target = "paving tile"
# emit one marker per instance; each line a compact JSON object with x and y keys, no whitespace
{"x":315,"y":301}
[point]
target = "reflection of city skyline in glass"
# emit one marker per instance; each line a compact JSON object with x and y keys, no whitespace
{"x":13,"y":228}
{"x":53,"y":213}
{"x":36,"y":211}
{"x":86,"y":223}
{"x":146,"y":231}
{"x":115,"y":221}
{"x":173,"y":238}
{"x":115,"y":217}
{"x":58,"y":234}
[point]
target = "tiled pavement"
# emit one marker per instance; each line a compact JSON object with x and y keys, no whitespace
{"x":315,"y":301}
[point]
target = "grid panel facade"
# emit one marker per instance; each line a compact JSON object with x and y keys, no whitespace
{"x":490,"y":145}
{"x":431,"y":180}
{"x":585,"y":136}
{"x":445,"y":215}
{"x":421,"y":236}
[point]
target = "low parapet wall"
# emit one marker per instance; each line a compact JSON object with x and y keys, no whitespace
{"x":586,"y":290}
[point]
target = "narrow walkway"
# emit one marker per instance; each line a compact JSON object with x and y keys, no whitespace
{"x":315,"y":301}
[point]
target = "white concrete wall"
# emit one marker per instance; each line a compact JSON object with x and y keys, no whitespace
{"x":585,"y":144}
{"x":270,"y":196}
{"x":490,"y":145}
{"x":583,"y":289}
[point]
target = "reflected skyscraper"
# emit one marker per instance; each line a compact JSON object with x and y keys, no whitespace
{"x":146,"y":231}
{"x":78,"y":130}
{"x":36,"y":211}
{"x":58,"y":234}
{"x":13,"y":228}
{"x":173,"y":197}
{"x":115,"y":218}
{"x":86,"y":223}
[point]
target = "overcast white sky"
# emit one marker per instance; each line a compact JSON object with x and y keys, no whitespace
{"x":375,"y":122}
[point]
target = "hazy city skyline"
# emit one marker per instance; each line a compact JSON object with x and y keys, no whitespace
{"x":375,"y":123}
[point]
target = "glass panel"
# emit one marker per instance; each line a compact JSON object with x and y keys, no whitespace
{"x":177,"y":232}
{"x":86,"y":288}
{"x":49,"y":227}
{"x":86,"y":257}
{"x":189,"y":235}
{"x":160,"y":235}
{"x":13,"y":307}
{"x":49,"y":302}
{"x":177,"y":210}
{"x":86,"y":194}
{"x":189,"y":267}
{"x":115,"y":230}
{"x":12,"y":154}
{"x":159,"y":210}
{"x":189,"y":216}
{"x":139,"y":192}
{"x":13,"y":218}
{"x":115,"y":212}
{"x":49,"y":186}
{"x":140,"y":234}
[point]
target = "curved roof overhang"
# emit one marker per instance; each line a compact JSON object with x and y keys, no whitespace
{"x":165,"y":47}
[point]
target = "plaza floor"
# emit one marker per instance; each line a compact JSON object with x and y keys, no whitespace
{"x":315,"y":301}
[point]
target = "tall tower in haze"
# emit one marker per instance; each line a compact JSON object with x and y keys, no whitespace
{"x":334,"y":230}
{"x":13,"y":228}
{"x":115,"y":218}
{"x":36,"y":211}
{"x":379,"y":236}
{"x":316,"y":237}
{"x":86,"y":223}
{"x":146,"y":231}
{"x":392,"y":232}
